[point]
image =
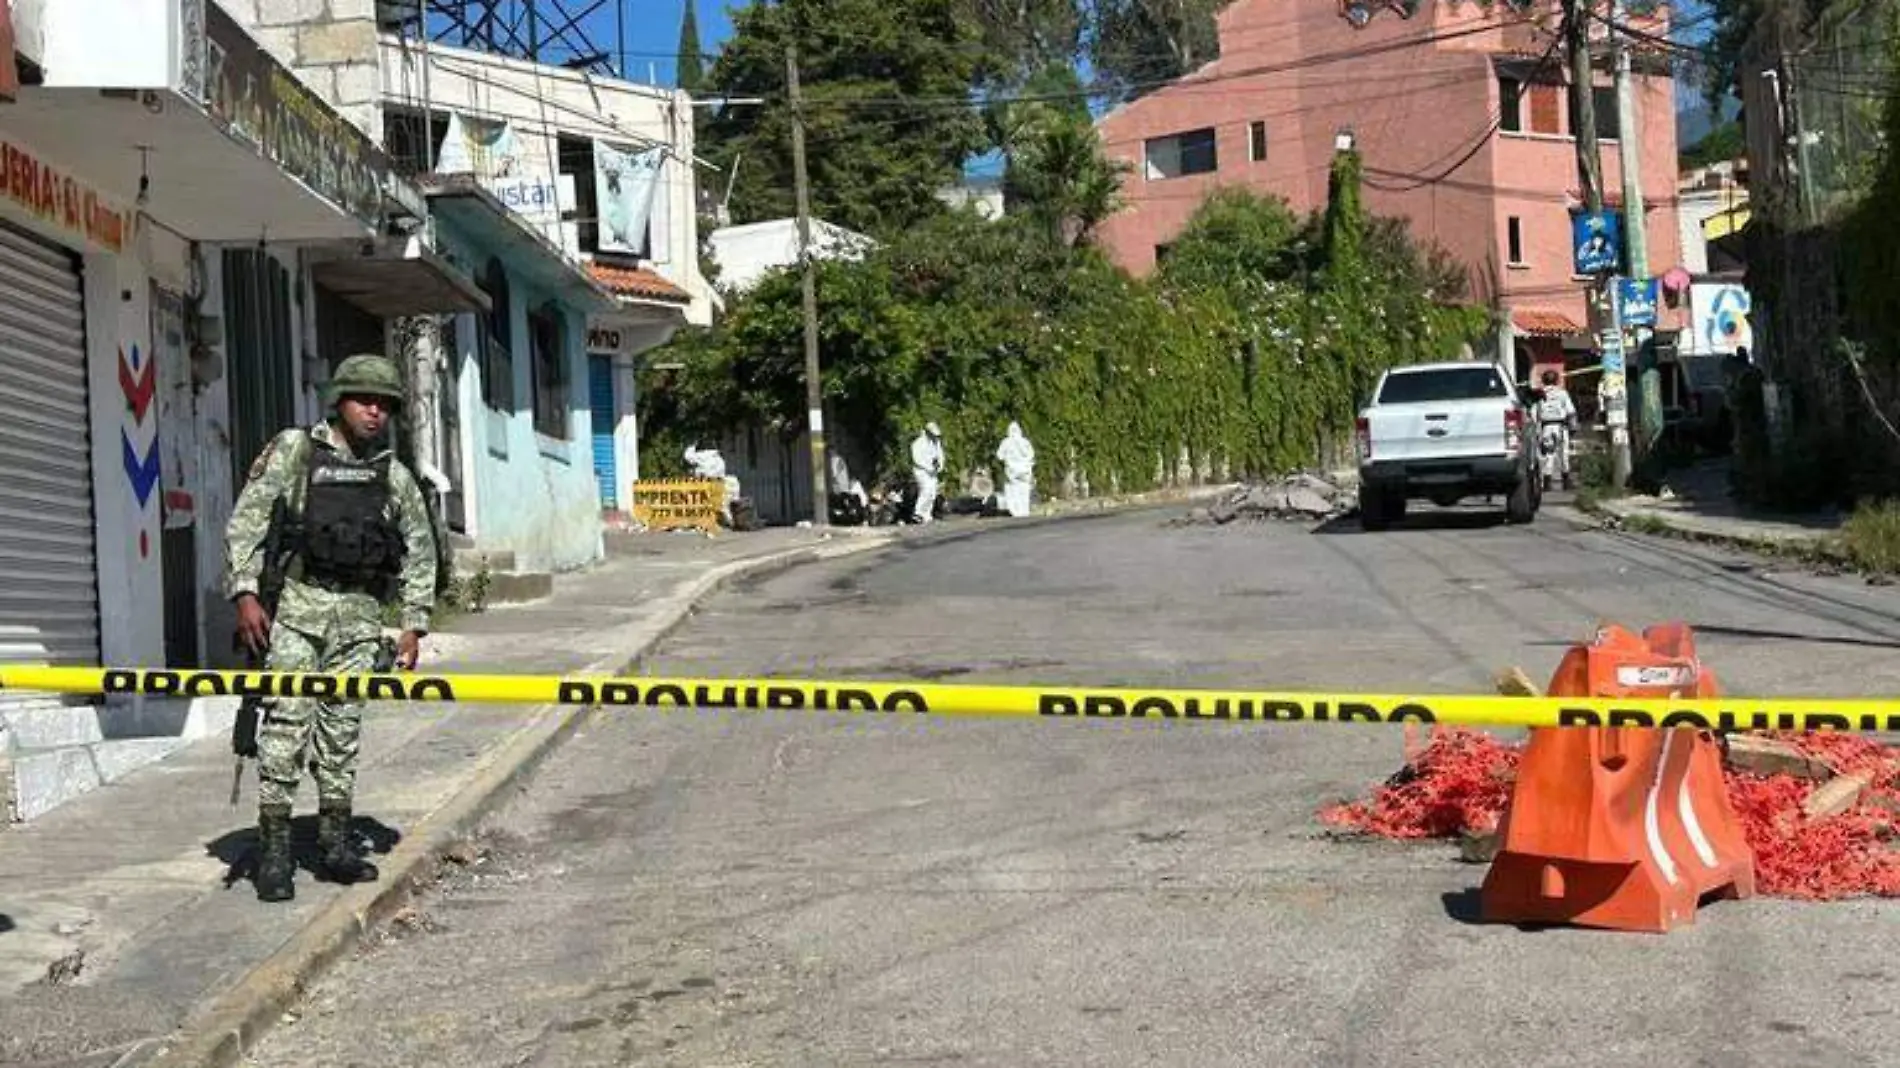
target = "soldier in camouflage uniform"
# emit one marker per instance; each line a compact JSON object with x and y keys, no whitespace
{"x":356,"y":535}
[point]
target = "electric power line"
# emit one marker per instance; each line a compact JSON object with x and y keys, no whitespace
{"x":1100,"y":89}
{"x":1497,"y":123}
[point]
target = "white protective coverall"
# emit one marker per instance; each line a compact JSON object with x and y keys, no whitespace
{"x":1018,"y":457}
{"x":926,"y":467}
{"x":1557,"y":413}
{"x":841,"y":480}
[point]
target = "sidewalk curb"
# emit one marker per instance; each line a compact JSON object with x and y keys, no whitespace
{"x":1608,"y":515}
{"x":220,"y":1034}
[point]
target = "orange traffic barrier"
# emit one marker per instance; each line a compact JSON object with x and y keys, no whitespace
{"x":1627,"y":828}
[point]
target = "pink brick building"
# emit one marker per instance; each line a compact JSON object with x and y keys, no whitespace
{"x":1420,"y":96}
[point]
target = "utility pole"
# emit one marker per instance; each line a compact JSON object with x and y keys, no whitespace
{"x":1589,"y":160}
{"x":1590,"y":176}
{"x":814,"y":389}
{"x":1629,"y":148}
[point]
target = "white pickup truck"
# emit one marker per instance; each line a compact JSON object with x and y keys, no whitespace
{"x":1443,"y":432}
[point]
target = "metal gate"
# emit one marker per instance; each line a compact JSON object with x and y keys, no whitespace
{"x":259,"y":331}
{"x":49,"y":579}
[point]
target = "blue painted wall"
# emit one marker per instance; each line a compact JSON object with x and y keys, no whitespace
{"x":600,"y":394}
{"x":534,"y":495}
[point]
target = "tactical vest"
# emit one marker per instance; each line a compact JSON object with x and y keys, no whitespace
{"x":346,"y":537}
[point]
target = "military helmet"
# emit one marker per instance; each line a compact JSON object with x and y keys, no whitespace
{"x":366,"y":374}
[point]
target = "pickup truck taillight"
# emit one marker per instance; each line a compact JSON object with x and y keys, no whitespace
{"x":1513,"y":428}
{"x":1364,"y":437}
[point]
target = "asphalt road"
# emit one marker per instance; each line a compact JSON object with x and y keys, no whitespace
{"x":707,"y":889}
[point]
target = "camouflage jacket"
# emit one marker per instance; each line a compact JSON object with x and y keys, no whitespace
{"x":276,"y":475}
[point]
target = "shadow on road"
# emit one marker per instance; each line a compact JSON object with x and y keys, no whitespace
{"x":238,"y":849}
{"x":6,"y":923}
{"x":1465,"y":906}
{"x":1430,"y":519}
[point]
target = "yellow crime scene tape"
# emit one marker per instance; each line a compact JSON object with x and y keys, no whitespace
{"x":976,"y":701}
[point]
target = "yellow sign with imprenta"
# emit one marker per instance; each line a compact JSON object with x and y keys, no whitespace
{"x":678,"y":503}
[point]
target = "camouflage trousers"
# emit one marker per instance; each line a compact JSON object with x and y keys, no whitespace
{"x":300,"y":730}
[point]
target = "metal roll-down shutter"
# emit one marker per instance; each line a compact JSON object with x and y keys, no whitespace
{"x":49,"y":583}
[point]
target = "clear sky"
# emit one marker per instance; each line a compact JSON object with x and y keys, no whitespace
{"x":652,"y":32}
{"x":650,"y":29}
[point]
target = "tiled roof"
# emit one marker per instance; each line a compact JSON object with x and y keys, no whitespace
{"x":637,"y":282}
{"x":1543,"y":323}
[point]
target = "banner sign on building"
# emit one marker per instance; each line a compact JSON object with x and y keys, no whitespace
{"x":259,"y":101}
{"x":1720,"y":313}
{"x":1596,"y":241}
{"x":624,"y":188}
{"x":485,"y":148}
{"x":1636,"y":301}
{"x":489,"y":150}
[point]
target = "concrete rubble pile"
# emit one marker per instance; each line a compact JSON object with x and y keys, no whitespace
{"x":1296,"y":497}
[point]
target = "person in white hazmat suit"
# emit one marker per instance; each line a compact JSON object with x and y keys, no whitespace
{"x":1556,"y":421}
{"x":841,"y":480}
{"x":710,"y":465}
{"x":1018,"y":458}
{"x":926,"y":469}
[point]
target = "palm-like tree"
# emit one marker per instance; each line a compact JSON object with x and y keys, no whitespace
{"x":1056,"y":170}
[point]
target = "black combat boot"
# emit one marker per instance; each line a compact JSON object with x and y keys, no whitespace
{"x":275,"y":867}
{"x":336,"y":846}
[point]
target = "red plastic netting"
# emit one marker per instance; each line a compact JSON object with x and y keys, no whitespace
{"x":1462,"y":782}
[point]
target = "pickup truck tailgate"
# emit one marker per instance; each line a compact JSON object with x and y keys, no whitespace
{"x":1437,"y":430}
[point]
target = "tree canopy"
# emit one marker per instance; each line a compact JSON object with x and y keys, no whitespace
{"x":691,"y":67}
{"x":1247,"y":353}
{"x":886,"y":126}
{"x":1137,"y":44}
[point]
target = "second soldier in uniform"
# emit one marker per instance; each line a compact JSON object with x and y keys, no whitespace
{"x":357,"y":536}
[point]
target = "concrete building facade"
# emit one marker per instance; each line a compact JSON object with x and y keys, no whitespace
{"x":164,"y":184}
{"x":600,"y":175}
{"x":1464,"y":129}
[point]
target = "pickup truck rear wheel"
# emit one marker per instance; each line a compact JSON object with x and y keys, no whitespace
{"x":1373,"y":514}
{"x":1379,"y":508}
{"x":1521,"y":506}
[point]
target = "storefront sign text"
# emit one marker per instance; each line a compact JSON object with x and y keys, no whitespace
{"x":610,"y":340}
{"x":60,"y":199}
{"x":258,"y":100}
